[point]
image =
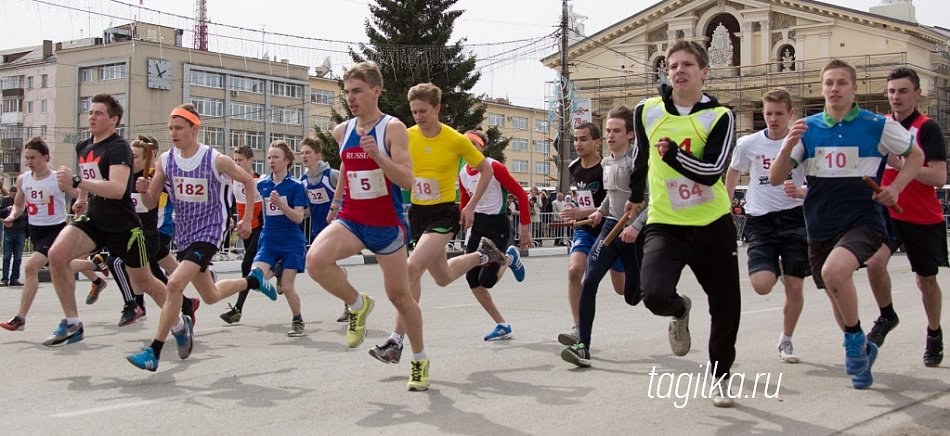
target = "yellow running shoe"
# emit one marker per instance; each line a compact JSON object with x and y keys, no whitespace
{"x":357,"y":331}
{"x":419,"y":377}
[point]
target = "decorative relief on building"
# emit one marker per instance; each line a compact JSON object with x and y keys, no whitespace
{"x":786,"y":58}
{"x":658,"y":35}
{"x":783,"y":21}
{"x":720,"y":48}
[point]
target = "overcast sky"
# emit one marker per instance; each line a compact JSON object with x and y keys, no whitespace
{"x":509,"y":35}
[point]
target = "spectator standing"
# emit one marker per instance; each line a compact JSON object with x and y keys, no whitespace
{"x":14,"y":236}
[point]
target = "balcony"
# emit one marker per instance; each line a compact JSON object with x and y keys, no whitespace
{"x":11,"y":118}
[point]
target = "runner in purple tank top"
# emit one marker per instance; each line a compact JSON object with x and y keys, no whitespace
{"x":196,"y":175}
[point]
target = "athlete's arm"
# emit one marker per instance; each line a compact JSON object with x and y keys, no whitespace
{"x":114,"y":188}
{"x":485,"y":175}
{"x":783,"y":164}
{"x":935,"y":154}
{"x":709,"y":169}
{"x":641,"y":161}
{"x":19,"y":202}
{"x":504,"y":178}
{"x":226,"y":166}
{"x":732,"y":179}
{"x":151,"y":188}
{"x":397,"y":168}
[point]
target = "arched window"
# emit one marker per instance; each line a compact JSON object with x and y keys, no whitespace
{"x":721,"y":37}
{"x":786,"y":58}
{"x":660,"y":73}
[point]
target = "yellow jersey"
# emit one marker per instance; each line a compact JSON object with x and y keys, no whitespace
{"x":435,"y":164}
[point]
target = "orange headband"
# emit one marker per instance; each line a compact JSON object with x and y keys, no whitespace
{"x":475,"y":138}
{"x":179,"y":112}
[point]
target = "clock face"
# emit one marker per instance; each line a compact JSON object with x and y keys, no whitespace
{"x":159,"y":74}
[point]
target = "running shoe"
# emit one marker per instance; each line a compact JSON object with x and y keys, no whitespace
{"x":787,"y":353}
{"x":297,"y":329}
{"x":346,"y":315}
{"x":576,"y":354}
{"x":357,"y":331}
{"x":679,"y":331}
{"x":232,"y":316}
{"x":881,"y":328}
{"x":864,"y":379}
{"x":723,"y":398}
{"x":856,"y":353}
{"x":488,"y":248}
{"x":934,"y":353}
{"x":95,"y":291}
{"x":419,"y":375}
{"x":500,"y":332}
{"x":265,"y":287}
{"x":195,"y":303}
{"x":130,"y":314}
{"x":16,"y":283}
{"x":570,"y":338}
{"x":185,"y":338}
{"x":388,"y":352}
{"x":15,"y":324}
{"x":144,"y":360}
{"x":517,"y":268}
{"x":100,"y":264}
{"x":65,"y":334}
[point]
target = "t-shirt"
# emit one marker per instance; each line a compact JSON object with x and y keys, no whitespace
{"x":278,"y":229}
{"x":754,"y":153}
{"x":590,"y":188}
{"x":112,"y":215}
{"x":919,"y":201}
{"x":149,"y":217}
{"x":835,"y":155}
{"x":436,"y":164}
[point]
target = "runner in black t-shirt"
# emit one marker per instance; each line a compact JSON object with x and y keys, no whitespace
{"x":108,"y":218}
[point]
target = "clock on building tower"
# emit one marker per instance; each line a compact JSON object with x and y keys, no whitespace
{"x":159,"y":74}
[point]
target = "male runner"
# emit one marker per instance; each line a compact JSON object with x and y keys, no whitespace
{"x":244,"y":159}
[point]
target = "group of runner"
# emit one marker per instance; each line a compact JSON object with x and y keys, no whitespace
{"x":675,"y":146}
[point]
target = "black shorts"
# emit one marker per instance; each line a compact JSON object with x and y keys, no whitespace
{"x":199,"y":253}
{"x":440,"y":218}
{"x":775,"y":236}
{"x":494,"y":227}
{"x":861,"y":241}
{"x":926,"y":245}
{"x":164,"y":248}
{"x":43,"y":237}
{"x":128,"y":245}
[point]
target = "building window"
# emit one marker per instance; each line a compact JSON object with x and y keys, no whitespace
{"x":29,"y":82}
{"x":43,"y":131}
{"x":291,"y":140}
{"x":29,"y":107}
{"x":43,"y":106}
{"x":542,"y":167}
{"x":120,"y":98}
{"x":247,"y":111}
{"x":287,"y":115}
{"x":520,"y":123}
{"x":85,"y":75}
{"x":239,"y":83}
{"x":14,"y":104}
{"x":84,"y":104}
{"x":519,"y":166}
{"x":497,"y":120}
{"x":12,"y":82}
{"x":519,"y":144}
{"x":286,"y":90}
{"x":254,"y":140}
{"x":542,"y":126}
{"x":542,"y":147}
{"x":320,"y":96}
{"x":112,"y":71}
{"x":324,"y":123}
{"x":211,"y":136}
{"x":210,"y":107}
{"x":44,"y":81}
{"x":258,"y":167}
{"x":206,"y":79}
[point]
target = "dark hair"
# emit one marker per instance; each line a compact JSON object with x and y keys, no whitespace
{"x":591,"y":127}
{"x":836,"y":64}
{"x":624,"y":113}
{"x":905,"y":73}
{"x":150,"y":140}
{"x":113,"y":108}
{"x":244,"y":151}
{"x":38,"y":144}
{"x":692,"y":47}
{"x":313,"y":143}
{"x":778,"y":95}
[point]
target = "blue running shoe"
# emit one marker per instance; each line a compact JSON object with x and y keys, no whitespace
{"x":65,"y":334}
{"x":500,"y":332}
{"x":856,"y":355}
{"x":864,"y":380}
{"x":265,"y":287}
{"x":185,"y":339}
{"x":516,"y":266}
{"x":144,"y":360}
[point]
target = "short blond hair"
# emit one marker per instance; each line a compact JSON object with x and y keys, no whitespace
{"x":778,"y":95}
{"x":426,"y":92}
{"x":366,"y":71}
{"x":838,"y":63}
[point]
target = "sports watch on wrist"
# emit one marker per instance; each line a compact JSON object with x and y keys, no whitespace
{"x":76,"y":181}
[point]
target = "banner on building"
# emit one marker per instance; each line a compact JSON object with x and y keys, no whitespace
{"x":580,"y":111}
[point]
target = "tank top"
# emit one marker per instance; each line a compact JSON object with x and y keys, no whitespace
{"x":198,"y":193}
{"x":45,"y":203}
{"x":370,"y":198}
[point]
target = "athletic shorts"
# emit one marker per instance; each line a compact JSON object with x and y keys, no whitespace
{"x":926,"y":245}
{"x":43,"y":237}
{"x":128,"y":245}
{"x":199,"y":253}
{"x":494,"y":227}
{"x":442,"y":218}
{"x":778,"y":236}
{"x":861,"y":241}
{"x":584,"y":241}
{"x":379,"y":239}
{"x":289,"y":257}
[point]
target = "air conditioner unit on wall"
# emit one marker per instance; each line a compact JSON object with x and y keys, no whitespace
{"x":234,"y":93}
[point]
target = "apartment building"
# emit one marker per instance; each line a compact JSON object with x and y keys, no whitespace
{"x":27,"y":79}
{"x":531,"y":154}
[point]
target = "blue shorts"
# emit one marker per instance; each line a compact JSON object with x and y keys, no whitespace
{"x":584,"y":241}
{"x":289,"y":257}
{"x":379,"y":240}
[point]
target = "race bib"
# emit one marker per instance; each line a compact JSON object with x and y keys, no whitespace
{"x":685,"y":193}
{"x":610,"y":178}
{"x":367,"y":185}
{"x":585,"y":199}
{"x":240,"y":193}
{"x":191,"y":189}
{"x":137,"y":202}
{"x":835,"y":162}
{"x":90,"y":171}
{"x":36,"y":195}
{"x":318,"y":196}
{"x":271,"y":208}
{"x":426,"y":189}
